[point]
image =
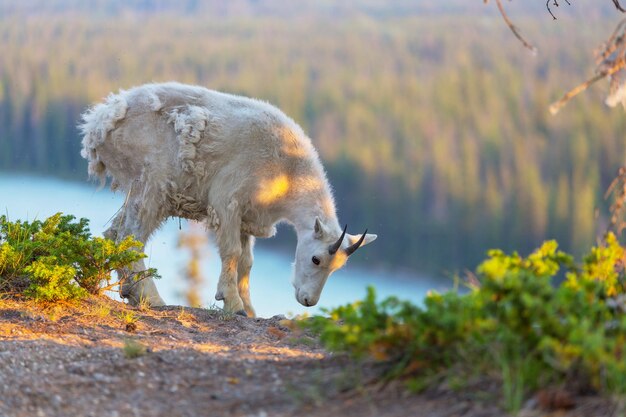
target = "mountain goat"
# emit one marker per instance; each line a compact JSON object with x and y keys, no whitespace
{"x":237,"y":163}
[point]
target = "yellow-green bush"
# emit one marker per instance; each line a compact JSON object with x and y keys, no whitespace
{"x":533,"y":322}
{"x":58,"y":259}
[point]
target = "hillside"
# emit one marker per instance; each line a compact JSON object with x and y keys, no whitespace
{"x":67,"y":360}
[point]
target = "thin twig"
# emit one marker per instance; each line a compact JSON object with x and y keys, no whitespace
{"x":514,"y":29}
{"x":549,"y":10}
{"x":109,"y":287}
{"x":614,"y":183}
{"x":123,"y":205}
{"x":619,"y":7}
{"x":614,"y":42}
{"x":618,"y":191}
{"x":556,"y":3}
{"x":556,"y":106}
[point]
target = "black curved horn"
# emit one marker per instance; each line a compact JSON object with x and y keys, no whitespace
{"x":332,"y":249}
{"x":351,"y":249}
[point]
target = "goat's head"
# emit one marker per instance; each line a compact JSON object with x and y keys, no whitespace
{"x":319,"y":253}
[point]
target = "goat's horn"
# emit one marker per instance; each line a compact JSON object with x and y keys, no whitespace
{"x":351,"y":249}
{"x":332,"y":249}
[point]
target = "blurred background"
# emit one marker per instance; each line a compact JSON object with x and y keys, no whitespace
{"x":430,"y":117}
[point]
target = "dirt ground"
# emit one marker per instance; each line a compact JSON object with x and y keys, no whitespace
{"x":105,"y":358}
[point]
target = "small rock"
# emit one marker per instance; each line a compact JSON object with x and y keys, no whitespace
{"x":555,"y":399}
{"x":102,"y":378}
{"x":276,"y":332}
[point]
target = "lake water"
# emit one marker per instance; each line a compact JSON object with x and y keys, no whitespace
{"x":29,"y":197}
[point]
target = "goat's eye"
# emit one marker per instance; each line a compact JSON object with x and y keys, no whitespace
{"x":315,"y":260}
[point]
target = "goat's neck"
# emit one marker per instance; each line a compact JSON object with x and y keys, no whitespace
{"x":302,"y":217}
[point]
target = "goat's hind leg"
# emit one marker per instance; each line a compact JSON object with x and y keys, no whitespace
{"x":127,"y":223}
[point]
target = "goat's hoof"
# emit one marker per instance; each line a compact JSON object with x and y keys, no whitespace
{"x":219,"y":296}
{"x":242,"y":313}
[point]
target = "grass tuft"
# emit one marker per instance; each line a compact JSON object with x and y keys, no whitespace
{"x":133,"y":349}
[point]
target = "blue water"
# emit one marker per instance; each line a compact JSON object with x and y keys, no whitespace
{"x":30,"y":197}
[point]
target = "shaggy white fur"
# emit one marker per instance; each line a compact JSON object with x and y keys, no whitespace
{"x":239,"y":164}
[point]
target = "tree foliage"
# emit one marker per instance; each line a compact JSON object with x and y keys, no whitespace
{"x":437,"y":139}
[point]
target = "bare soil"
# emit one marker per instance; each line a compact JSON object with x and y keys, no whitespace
{"x":104,"y":358}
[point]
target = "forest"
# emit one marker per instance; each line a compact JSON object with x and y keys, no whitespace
{"x":434,"y":127}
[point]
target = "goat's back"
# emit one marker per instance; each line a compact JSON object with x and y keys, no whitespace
{"x":186,"y":135}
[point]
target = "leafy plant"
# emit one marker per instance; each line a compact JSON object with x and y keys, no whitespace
{"x":532,"y":322}
{"x":127,"y":317}
{"x":133,"y":349}
{"x":58,"y":259}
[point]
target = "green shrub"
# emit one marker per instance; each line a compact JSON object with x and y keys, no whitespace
{"x":532,"y":322}
{"x":52,"y":282}
{"x":58,"y":259}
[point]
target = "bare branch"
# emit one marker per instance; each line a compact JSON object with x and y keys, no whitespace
{"x":610,"y":59}
{"x":514,"y":29}
{"x":556,"y":106}
{"x":612,"y":43}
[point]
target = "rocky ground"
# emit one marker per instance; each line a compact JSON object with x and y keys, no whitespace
{"x":104,"y":358}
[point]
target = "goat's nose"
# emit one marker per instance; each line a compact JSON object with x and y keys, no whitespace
{"x":306,"y":302}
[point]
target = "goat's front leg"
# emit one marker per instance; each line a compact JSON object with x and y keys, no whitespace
{"x":229,"y":244}
{"x":243,"y":272}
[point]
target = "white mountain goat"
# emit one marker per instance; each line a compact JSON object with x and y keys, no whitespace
{"x":240,"y":164}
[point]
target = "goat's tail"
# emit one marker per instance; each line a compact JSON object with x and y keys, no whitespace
{"x":97,"y":122}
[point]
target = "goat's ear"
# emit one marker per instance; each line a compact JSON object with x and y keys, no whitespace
{"x":319,"y":230}
{"x":369,"y":238}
